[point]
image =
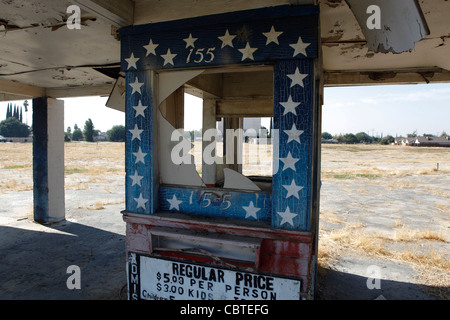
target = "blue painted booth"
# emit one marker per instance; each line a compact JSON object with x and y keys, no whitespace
{"x":244,"y":237}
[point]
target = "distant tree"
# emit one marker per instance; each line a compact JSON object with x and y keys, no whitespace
{"x":412,"y":135}
{"x":12,"y":127}
{"x":326,"y":136}
{"x":117,"y":133}
{"x":444,"y":134}
{"x":77,"y":135}
{"x":68,"y":134}
{"x":363,"y":137}
{"x":88,"y":131}
{"x":349,"y":138}
{"x":387,"y":140}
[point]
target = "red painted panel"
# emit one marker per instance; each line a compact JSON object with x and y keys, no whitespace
{"x":286,"y":248}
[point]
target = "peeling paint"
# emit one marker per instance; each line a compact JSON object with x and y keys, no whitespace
{"x":397,"y":34}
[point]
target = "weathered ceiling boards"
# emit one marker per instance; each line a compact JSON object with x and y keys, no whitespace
{"x":40,"y":56}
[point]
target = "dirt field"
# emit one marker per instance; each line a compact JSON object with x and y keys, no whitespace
{"x":383,"y":208}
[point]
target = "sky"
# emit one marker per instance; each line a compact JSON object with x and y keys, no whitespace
{"x":377,"y":110}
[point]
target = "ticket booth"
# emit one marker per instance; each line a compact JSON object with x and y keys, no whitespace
{"x":216,"y":232}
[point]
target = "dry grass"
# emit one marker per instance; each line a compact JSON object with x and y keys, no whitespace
{"x":100,"y":205}
{"x":433,"y":265}
{"x":356,"y":168}
{"x":85,"y":163}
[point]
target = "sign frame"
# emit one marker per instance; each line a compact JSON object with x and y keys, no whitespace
{"x":184,"y":280}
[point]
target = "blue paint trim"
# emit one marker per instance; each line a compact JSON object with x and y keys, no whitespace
{"x":301,"y":150}
{"x":214,"y":202}
{"x":40,"y":164}
{"x":139,"y":147}
{"x":289,"y":206}
{"x":209,"y":50}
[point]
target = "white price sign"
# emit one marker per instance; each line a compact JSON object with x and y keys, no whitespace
{"x":165,"y":279}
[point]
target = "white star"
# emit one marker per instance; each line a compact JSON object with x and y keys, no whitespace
{"x":132,"y":61}
{"x":290,"y":106}
{"x":227,"y":39}
{"x":247,"y":52}
{"x":136,"y":179}
{"x":139,"y":109}
{"x":174,"y":203}
{"x":293,"y":134}
{"x":300,"y":47}
{"x":168,"y":57}
{"x":251,"y":211}
{"x":150,"y":48}
{"x":292,"y":189}
{"x":297,"y":78}
{"x":287,"y":216}
{"x":136,"y":133}
{"x":190,"y":41}
{"x":140,"y":156}
{"x":272,"y":36}
{"x":136,"y":86}
{"x":140,"y":202}
{"x":289,"y":162}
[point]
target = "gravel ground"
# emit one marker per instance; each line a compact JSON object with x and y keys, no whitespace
{"x":384,"y":227}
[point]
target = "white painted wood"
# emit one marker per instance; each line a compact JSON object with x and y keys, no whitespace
{"x":18,"y":88}
{"x":116,"y":99}
{"x":150,"y":11}
{"x":168,"y":82}
{"x":235,"y":180}
{"x":395,"y":34}
{"x":170,"y":173}
{"x":117,"y":12}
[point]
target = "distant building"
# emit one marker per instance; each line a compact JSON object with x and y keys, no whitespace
{"x":431,"y":142}
{"x":102,"y":136}
{"x":404,"y":141}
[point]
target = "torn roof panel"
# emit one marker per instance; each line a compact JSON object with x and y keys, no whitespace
{"x":401,"y":25}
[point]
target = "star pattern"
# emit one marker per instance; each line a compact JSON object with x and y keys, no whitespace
{"x":140,"y":109}
{"x":289,"y":106}
{"x":297,"y":78}
{"x":141,"y":202}
{"x":132,"y":61}
{"x":247,"y":52}
{"x":140,"y":156}
{"x":190,"y":41}
{"x":136,"y":179}
{"x":289,"y":162}
{"x":136,"y":86}
{"x":287,"y":216}
{"x":272,"y":36}
{"x":251,"y":211}
{"x":299,"y":47}
{"x":292,"y":189}
{"x":168,"y":57}
{"x":174,"y":203}
{"x":150,"y":48}
{"x":227,"y":39}
{"x":293,"y":134}
{"x":136,"y":133}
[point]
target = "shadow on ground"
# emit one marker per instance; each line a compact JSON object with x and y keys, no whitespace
{"x":34,"y":262}
{"x":338,"y":285}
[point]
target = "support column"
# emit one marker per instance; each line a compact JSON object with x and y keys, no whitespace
{"x":48,"y":160}
{"x":209,"y":163}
